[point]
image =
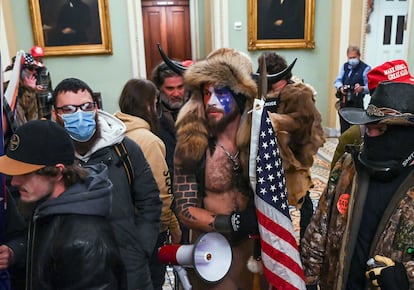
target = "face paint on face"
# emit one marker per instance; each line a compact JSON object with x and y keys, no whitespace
{"x":219,"y":98}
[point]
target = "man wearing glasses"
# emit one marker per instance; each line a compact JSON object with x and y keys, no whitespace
{"x":136,"y":206}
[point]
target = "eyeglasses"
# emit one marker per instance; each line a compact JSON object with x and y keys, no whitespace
{"x":70,"y":109}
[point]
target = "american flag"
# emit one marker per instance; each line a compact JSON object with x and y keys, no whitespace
{"x":280,"y":254}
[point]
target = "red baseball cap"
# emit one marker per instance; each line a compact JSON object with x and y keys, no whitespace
{"x":187,"y":62}
{"x":37,"y":51}
{"x":394,"y":71}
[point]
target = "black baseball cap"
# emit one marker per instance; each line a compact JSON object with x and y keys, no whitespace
{"x":37,"y":144}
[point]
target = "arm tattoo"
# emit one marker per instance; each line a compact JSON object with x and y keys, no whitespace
{"x":185,"y":193}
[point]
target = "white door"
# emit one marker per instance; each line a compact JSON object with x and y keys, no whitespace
{"x":386,"y":39}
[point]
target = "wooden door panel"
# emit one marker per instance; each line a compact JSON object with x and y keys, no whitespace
{"x":167,"y":23}
{"x":179,"y":43}
{"x":154,"y":18}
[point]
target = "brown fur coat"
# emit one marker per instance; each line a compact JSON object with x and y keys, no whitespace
{"x":223,"y":68}
{"x":297,"y":124}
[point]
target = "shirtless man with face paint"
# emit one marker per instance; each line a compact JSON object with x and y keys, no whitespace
{"x":222,"y":164}
{"x":211,"y":184}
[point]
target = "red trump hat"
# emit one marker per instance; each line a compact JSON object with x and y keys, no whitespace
{"x":394,"y":71}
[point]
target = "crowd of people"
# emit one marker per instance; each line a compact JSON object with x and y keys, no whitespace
{"x":94,"y":195}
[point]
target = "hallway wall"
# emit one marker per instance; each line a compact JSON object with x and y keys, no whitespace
{"x":108,"y":73}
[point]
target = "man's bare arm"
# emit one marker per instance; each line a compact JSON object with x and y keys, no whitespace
{"x":187,"y":203}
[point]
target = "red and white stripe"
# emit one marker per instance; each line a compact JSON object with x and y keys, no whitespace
{"x":280,"y":255}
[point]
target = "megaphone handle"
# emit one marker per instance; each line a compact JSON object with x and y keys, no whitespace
{"x":257,"y":253}
{"x":257,"y":281}
{"x":182,"y":274}
{"x":257,"y":247}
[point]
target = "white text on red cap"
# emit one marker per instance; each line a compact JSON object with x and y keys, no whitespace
{"x":396,"y":72}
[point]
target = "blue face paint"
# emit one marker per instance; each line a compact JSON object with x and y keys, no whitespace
{"x":225,"y":98}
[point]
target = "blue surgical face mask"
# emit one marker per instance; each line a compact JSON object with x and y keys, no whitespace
{"x":80,"y":125}
{"x":353,"y":62}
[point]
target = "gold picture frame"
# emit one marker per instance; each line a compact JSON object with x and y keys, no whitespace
{"x":75,"y":27}
{"x":267,"y":31}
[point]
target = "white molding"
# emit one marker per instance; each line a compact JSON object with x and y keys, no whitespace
{"x":194,"y":28}
{"x":409,"y":28}
{"x":363,"y":28}
{"x":4,"y":47}
{"x":136,"y":36}
{"x":344,"y":33}
{"x":220,"y":29}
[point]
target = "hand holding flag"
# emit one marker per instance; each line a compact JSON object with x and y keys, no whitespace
{"x":280,"y":254}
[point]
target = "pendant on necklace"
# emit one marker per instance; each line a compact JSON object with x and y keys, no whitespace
{"x":233,"y":158}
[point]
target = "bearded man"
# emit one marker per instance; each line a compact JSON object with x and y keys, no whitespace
{"x":211,"y":183}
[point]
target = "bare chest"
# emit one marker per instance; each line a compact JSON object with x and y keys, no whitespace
{"x":219,"y":171}
{"x":222,"y":196}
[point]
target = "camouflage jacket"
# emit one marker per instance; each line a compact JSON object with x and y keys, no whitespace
{"x":329,"y":240}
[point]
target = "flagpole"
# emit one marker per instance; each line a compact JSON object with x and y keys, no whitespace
{"x":254,"y":134}
{"x":257,"y":109}
{"x":279,"y":250}
{"x":10,"y":95}
{"x":3,"y":196}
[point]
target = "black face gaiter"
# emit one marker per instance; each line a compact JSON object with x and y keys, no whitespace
{"x":385,"y":154}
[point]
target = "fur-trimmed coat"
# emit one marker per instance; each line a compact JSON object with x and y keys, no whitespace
{"x":298,"y":126}
{"x":224,"y":68}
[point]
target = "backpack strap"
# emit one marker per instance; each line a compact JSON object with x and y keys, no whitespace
{"x":123,"y":155}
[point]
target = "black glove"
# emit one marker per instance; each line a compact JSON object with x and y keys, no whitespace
{"x":311,"y":287}
{"x":389,"y":275}
{"x":245,"y":221}
{"x":239,"y":224}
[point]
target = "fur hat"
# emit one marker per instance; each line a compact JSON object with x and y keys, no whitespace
{"x":224,"y":67}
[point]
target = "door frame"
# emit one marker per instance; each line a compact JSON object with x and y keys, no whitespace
{"x":378,"y":15}
{"x":136,"y":35}
{"x":218,"y":12}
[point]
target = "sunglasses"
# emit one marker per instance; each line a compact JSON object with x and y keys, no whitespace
{"x":70,"y":109}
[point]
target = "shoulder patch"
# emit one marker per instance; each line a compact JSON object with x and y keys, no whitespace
{"x":342,"y":204}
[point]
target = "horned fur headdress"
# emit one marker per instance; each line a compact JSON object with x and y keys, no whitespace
{"x":224,"y":67}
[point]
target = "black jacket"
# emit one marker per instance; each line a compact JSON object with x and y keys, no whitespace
{"x":71,"y":243}
{"x":15,"y":237}
{"x":136,"y":229}
{"x":15,"y":232}
{"x":167,"y":134}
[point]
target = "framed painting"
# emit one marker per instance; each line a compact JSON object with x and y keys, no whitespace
{"x":71,"y":27}
{"x":281,"y":24}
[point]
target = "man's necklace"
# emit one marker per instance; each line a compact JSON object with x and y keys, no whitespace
{"x":233,"y":158}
